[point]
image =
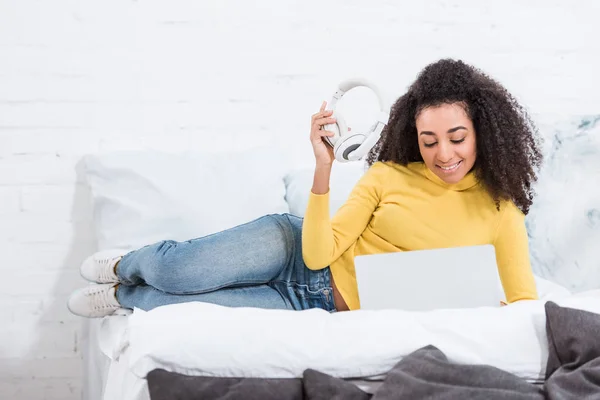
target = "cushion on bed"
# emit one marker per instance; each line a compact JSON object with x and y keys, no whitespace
{"x":298,"y":184}
{"x":569,"y":331}
{"x":141,"y":197}
{"x":164,"y":385}
{"x":573,"y":369}
{"x":424,"y":373}
{"x":427,"y":373}
{"x":320,"y":386}
{"x":564,"y":220}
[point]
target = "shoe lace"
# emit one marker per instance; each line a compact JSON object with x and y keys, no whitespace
{"x":101,"y":299}
{"x":107,"y":272}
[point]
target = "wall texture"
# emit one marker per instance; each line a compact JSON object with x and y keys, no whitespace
{"x":79,"y":77}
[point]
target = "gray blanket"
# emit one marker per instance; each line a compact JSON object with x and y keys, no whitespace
{"x":573,"y":372}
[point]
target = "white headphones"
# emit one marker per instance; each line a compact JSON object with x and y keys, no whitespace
{"x":352,"y":146}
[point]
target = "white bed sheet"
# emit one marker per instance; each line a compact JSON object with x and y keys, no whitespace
{"x":122,"y":384}
{"x":106,"y":371}
{"x":95,"y":363}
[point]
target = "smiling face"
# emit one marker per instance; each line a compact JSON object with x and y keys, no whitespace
{"x":447,"y":141}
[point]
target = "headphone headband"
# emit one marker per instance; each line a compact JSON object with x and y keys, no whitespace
{"x":349,"y":84}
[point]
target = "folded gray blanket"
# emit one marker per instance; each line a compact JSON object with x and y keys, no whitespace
{"x":573,"y":372}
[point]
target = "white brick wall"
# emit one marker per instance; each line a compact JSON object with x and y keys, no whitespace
{"x":77,"y":77}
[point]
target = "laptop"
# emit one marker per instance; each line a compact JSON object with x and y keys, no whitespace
{"x":423,"y":280}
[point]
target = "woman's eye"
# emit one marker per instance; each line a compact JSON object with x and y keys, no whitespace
{"x":429,"y":144}
{"x":458,"y":141}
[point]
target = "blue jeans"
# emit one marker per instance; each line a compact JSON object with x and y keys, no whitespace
{"x":257,"y":264}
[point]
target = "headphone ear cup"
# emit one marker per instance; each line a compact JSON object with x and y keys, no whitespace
{"x":341,"y":122}
{"x":346,"y":145}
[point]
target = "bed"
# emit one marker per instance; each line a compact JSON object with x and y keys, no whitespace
{"x":517,"y":343}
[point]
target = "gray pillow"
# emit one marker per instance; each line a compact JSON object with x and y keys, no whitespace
{"x":320,"y":386}
{"x":166,"y":385}
{"x":573,"y":369}
{"x":573,"y":337}
{"x":428,"y":374}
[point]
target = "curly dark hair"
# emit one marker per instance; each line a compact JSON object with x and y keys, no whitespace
{"x":508,"y":144}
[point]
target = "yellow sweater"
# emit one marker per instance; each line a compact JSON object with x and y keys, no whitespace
{"x":400,"y":208}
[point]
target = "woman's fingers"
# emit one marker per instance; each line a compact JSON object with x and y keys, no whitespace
{"x":322,"y":112}
{"x":317,"y":128}
{"x":325,"y":121}
{"x":322,"y":134}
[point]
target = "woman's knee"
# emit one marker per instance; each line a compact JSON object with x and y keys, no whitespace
{"x":164,"y":249}
{"x":161,"y":262}
{"x":291,"y":226}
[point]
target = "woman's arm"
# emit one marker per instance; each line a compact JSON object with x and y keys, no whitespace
{"x":324,"y":239}
{"x":512,"y":255}
{"x":321,"y":179}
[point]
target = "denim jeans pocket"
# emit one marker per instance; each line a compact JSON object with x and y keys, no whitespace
{"x":311,"y":298}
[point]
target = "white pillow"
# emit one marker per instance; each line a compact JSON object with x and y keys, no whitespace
{"x":564,"y":220}
{"x":343,"y":178}
{"x":205,"y":339}
{"x":141,"y":197}
{"x":548,"y":290}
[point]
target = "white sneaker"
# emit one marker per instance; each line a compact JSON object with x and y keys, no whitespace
{"x":94,"y":301}
{"x":100,"y":267}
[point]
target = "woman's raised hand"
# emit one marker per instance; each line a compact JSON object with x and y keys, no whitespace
{"x":323,"y":151}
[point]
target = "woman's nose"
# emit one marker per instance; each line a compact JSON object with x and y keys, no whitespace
{"x":445,"y":153}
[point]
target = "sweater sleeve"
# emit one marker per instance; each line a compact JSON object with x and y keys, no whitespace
{"x":324,"y":239}
{"x":512,"y":255}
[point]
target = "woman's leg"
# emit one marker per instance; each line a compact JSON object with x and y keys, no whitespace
{"x":146,"y":297}
{"x":250,"y":254}
{"x":258,"y":264}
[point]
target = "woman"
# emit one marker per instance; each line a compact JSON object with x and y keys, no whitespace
{"x":454,"y":167}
